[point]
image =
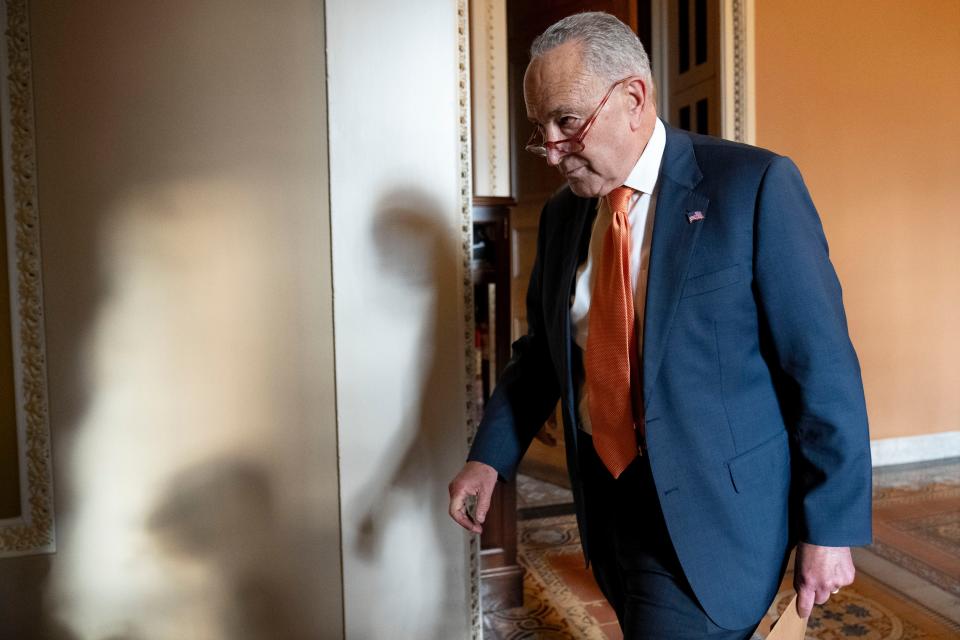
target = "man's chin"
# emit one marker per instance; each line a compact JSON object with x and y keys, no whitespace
{"x":583,"y":182}
{"x":582,"y":188}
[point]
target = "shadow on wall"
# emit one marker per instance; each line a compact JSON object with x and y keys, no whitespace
{"x":176,"y":193}
{"x":221,"y":516}
{"x":194,"y":432}
{"x":22,"y":613}
{"x":419,"y":252}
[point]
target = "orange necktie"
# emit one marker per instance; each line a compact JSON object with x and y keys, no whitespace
{"x":610,"y":365}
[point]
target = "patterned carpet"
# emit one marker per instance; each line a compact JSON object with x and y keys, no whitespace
{"x":907,"y":583}
{"x":561,"y":600}
{"x":917,"y":524}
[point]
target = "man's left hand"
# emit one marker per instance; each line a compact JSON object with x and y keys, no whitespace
{"x":818,"y":572}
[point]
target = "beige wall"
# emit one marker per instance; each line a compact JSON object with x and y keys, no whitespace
{"x":863,"y":96}
{"x":185,"y":236}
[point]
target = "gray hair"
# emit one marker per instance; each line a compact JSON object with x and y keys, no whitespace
{"x":611,"y":49}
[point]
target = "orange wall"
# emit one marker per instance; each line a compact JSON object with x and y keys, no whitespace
{"x":865,"y":97}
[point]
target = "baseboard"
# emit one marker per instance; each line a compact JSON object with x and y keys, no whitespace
{"x":934,"y":446}
{"x":501,"y":588}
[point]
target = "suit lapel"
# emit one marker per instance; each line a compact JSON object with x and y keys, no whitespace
{"x":674,"y":239}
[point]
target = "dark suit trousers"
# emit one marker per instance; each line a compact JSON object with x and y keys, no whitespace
{"x":633,"y":559}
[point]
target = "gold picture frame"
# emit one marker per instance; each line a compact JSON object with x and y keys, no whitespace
{"x":30,"y":531}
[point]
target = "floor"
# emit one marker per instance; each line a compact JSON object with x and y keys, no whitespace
{"x":907,"y":585}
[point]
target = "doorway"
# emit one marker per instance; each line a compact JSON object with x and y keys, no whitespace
{"x":699,"y":55}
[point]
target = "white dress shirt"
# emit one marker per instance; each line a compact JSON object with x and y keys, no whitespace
{"x":643,"y":204}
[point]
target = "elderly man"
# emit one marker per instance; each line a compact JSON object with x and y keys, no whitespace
{"x":683,"y":309}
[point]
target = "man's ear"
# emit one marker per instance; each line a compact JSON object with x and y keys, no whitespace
{"x":639,"y":92}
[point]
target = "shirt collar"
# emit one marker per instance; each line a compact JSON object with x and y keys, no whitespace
{"x":643,"y":178}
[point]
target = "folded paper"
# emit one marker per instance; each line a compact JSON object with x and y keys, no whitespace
{"x":790,"y":626}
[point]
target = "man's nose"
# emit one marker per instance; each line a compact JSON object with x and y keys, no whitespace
{"x":553,"y":156}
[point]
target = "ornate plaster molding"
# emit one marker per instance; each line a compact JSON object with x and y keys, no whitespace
{"x":739,"y":112}
{"x":466,"y":253}
{"x":495,"y":142}
{"x":33,"y":531}
{"x":490,"y":104}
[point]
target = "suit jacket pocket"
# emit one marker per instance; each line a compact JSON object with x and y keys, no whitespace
{"x":761,"y":465}
{"x":711,"y":281}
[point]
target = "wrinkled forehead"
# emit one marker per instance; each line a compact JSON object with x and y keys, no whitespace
{"x":555,"y":81}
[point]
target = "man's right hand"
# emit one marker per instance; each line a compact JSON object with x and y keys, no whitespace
{"x":475,"y":479}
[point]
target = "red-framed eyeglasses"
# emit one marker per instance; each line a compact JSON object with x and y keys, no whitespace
{"x":538,"y":146}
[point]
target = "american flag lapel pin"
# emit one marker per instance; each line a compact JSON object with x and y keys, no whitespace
{"x":695,"y":216}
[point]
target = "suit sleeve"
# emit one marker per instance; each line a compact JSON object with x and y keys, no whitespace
{"x":527,"y":390}
{"x":820,"y":381}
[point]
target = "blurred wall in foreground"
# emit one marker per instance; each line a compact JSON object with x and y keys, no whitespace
{"x":251,"y":234}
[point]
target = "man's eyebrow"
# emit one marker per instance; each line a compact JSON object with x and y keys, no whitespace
{"x":562,"y":109}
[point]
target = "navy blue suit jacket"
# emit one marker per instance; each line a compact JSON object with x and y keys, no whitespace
{"x":755,"y":418}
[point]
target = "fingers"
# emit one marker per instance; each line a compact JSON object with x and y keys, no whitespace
{"x":805,"y":598}
{"x":822,"y":596}
{"x":458,"y":511}
{"x":483,"y":503}
{"x":475,"y":479}
{"x":819,"y":573}
{"x":848,"y":576}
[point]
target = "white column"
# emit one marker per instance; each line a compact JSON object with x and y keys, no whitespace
{"x":396,"y":212}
